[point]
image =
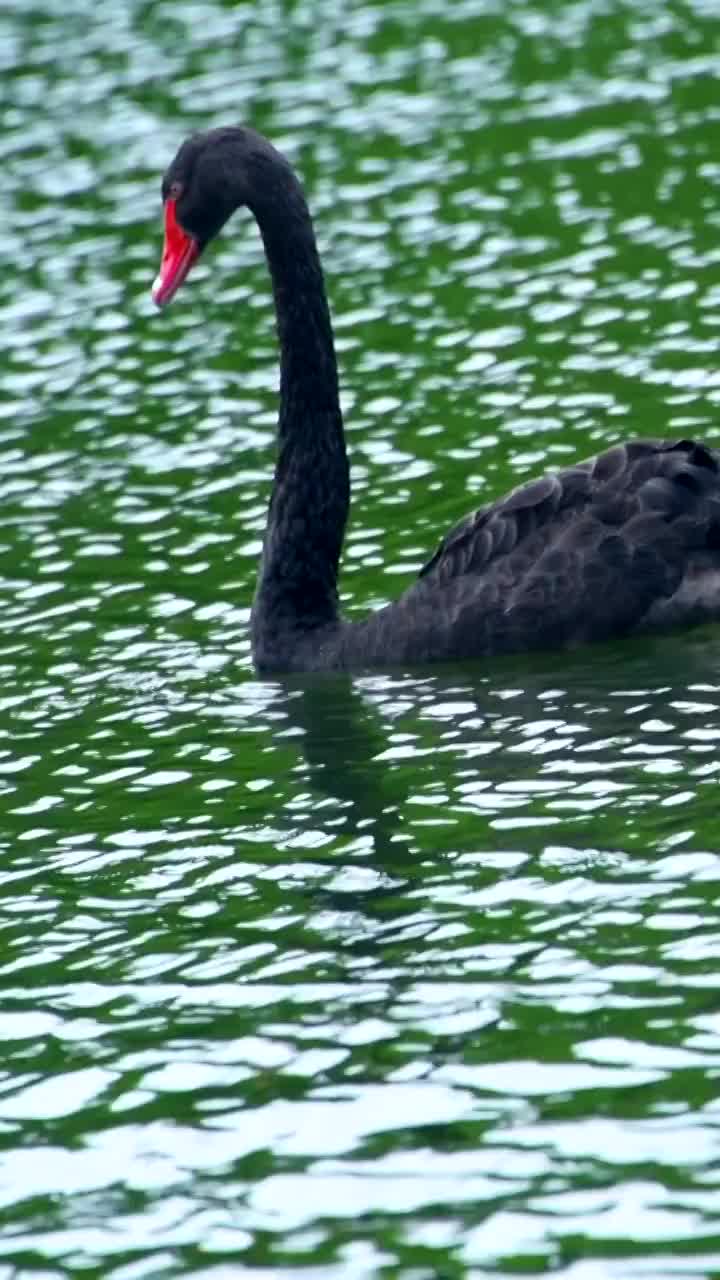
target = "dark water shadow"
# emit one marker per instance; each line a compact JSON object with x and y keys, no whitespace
{"x":491,"y":719}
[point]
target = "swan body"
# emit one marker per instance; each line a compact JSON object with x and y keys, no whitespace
{"x":627,"y":541}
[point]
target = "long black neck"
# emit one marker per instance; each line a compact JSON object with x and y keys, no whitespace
{"x":297,"y":586}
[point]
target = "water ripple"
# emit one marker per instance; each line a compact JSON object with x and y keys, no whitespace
{"x":408,"y":974}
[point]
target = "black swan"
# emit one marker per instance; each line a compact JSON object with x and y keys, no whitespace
{"x":626,"y":541}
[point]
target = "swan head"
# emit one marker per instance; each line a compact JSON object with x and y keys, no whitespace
{"x":209,"y":178}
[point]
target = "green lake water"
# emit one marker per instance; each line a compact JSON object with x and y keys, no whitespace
{"x":412,"y":975}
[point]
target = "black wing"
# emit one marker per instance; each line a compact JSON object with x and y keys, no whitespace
{"x":583,"y":553}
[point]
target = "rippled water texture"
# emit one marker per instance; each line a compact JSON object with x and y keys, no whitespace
{"x":406,"y":976}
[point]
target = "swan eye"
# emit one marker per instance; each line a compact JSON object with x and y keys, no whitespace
{"x":175,"y":190}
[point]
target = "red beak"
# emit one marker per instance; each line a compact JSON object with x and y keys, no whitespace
{"x":180,"y":251}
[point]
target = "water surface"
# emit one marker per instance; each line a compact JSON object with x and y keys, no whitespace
{"x":405,"y":975}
